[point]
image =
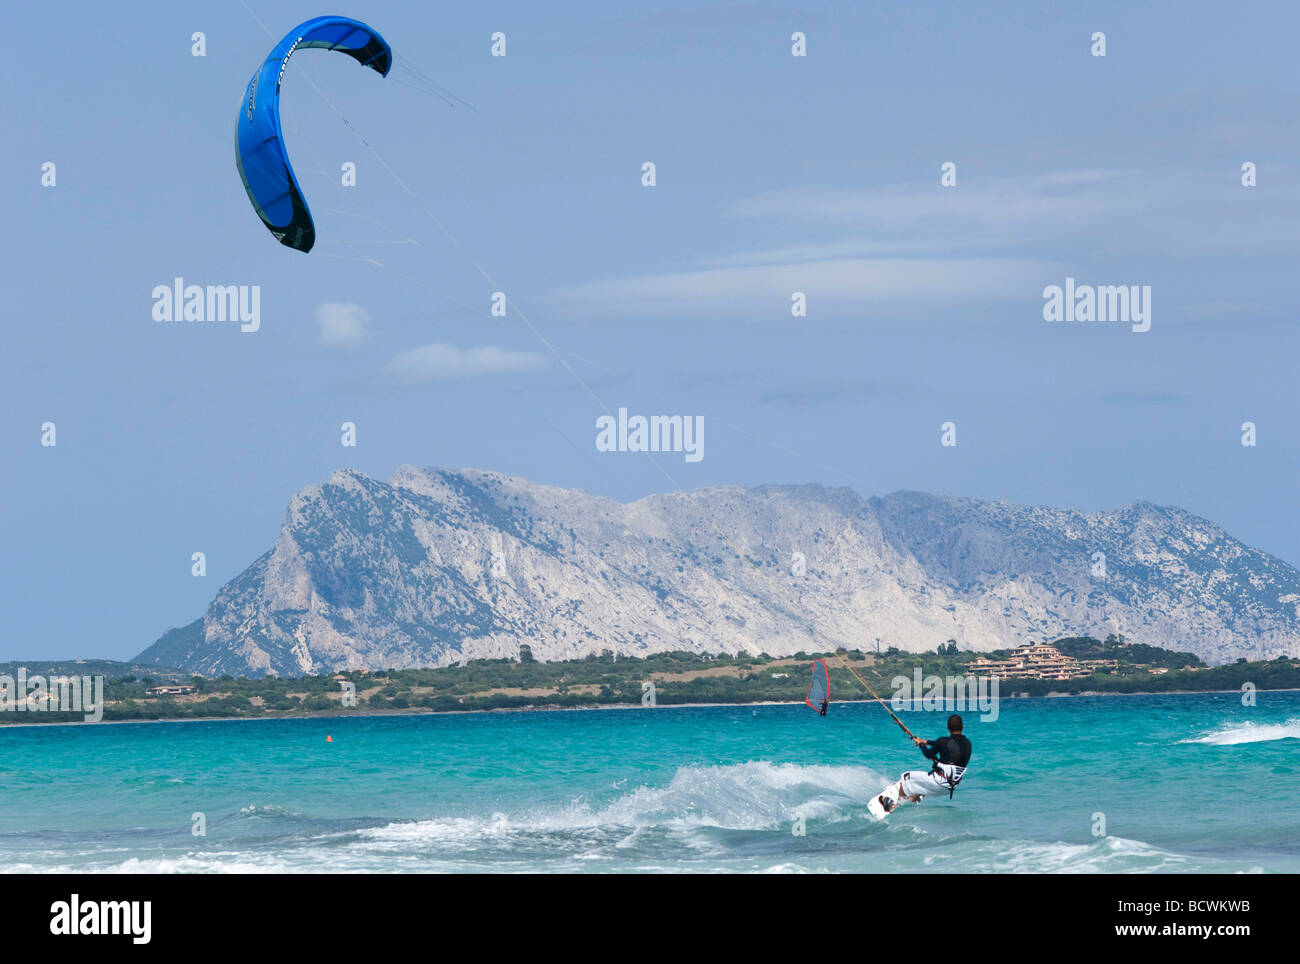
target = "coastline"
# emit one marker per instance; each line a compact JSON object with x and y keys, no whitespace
{"x":556,"y":708}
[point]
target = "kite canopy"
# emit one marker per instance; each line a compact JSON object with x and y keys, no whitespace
{"x":259,"y":146}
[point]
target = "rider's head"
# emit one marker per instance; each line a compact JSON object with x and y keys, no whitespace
{"x":954,"y":724}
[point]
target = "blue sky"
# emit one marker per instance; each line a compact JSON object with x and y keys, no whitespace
{"x":774,"y":174}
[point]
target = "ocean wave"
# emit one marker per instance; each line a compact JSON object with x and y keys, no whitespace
{"x":742,"y":818}
{"x":201,"y":862}
{"x":741,"y":797}
{"x":1234,"y":734}
{"x":1108,"y":855}
{"x":755,"y":817}
{"x":269,"y":810}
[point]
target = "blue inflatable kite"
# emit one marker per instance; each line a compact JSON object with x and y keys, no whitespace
{"x":259,"y":145}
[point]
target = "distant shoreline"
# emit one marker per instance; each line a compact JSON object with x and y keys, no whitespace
{"x":1072,"y":666}
{"x":556,"y":708}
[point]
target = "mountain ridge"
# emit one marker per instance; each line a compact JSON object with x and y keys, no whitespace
{"x":438,"y":565}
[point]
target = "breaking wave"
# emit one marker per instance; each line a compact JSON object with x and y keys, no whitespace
{"x":1250,"y":733}
{"x":755,"y":817}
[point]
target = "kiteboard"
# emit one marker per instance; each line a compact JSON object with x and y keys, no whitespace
{"x":890,"y":793}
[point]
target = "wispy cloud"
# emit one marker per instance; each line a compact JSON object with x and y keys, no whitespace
{"x":1192,"y":212}
{"x":341,"y":325}
{"x":909,"y":249}
{"x":831,"y":251}
{"x":821,"y":391}
{"x":861,"y":285}
{"x":904,"y":211}
{"x":441,"y":362}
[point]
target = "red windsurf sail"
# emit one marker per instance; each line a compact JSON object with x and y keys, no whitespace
{"x":819,"y":690}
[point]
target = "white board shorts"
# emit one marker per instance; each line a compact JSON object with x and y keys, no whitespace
{"x":926,"y":782}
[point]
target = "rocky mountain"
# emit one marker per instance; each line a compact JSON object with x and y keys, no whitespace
{"x":435,"y":565}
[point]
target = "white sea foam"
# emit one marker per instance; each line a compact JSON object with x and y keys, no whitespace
{"x":746,"y":796}
{"x":740,"y":817}
{"x":228,"y":862}
{"x":1237,"y":733}
{"x":1108,"y":855}
{"x":268,"y":810}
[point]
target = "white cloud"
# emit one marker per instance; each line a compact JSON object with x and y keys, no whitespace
{"x":342,"y":325}
{"x":829,"y":251}
{"x":975,"y":212}
{"x":1118,"y":213}
{"x":911,"y":249}
{"x":440,"y":362}
{"x":857,"y":285}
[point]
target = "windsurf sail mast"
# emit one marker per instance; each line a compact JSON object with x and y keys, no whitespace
{"x":819,"y":689}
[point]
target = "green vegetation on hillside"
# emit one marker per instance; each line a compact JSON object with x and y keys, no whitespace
{"x":678,"y":677}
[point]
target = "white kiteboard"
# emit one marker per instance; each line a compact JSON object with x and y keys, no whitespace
{"x":890,"y":793}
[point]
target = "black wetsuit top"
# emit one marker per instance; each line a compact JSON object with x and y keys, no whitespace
{"x":948,"y":749}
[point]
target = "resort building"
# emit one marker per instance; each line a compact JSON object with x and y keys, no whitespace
{"x":1040,"y":661}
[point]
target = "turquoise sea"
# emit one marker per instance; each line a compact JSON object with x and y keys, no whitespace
{"x":1185,"y":783}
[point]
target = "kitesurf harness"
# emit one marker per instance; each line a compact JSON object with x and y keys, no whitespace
{"x":951,"y":776}
{"x":950,"y":754}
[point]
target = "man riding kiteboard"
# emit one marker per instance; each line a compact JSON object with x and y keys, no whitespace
{"x":951,"y":755}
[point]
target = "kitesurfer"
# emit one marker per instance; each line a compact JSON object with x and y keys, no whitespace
{"x":950,"y":755}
